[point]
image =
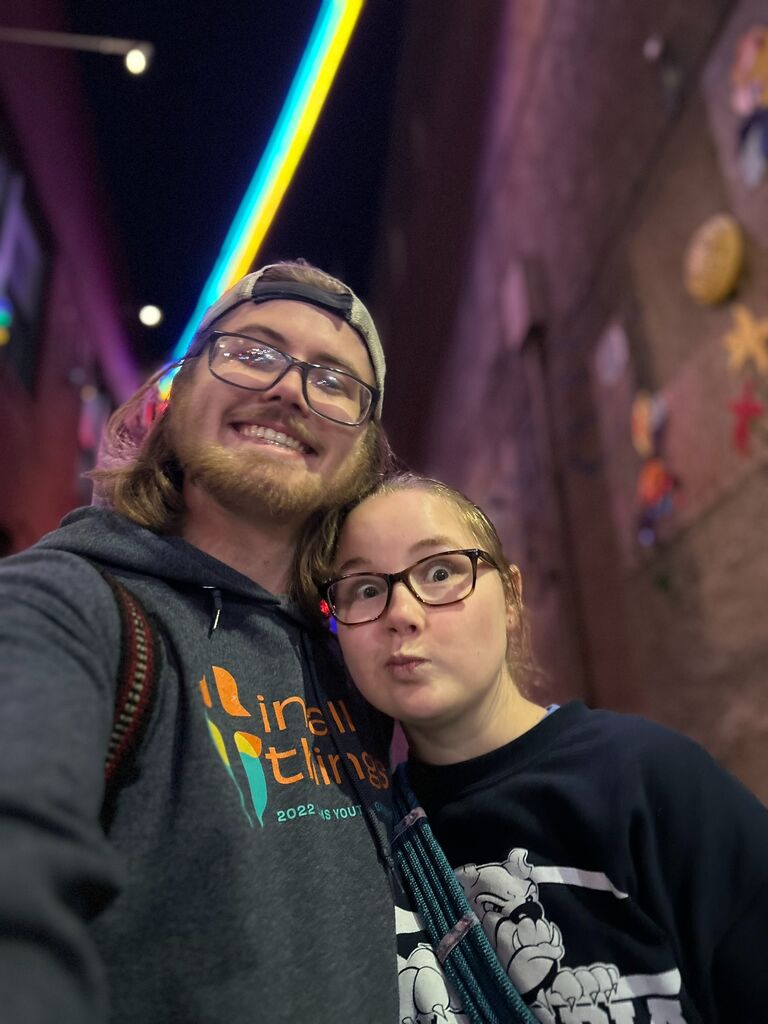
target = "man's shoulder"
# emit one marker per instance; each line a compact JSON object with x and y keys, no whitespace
{"x":59,"y":587}
{"x":64,"y":569}
{"x":58,"y":566}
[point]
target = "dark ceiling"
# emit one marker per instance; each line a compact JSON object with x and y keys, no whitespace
{"x":179,"y":144}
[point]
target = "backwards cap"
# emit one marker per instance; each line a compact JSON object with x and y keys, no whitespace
{"x":346,"y":305}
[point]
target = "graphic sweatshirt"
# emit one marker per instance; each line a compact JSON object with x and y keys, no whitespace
{"x":620,"y":874}
{"x":245,"y":873}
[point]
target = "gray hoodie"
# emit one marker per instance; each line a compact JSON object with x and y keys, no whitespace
{"x":244,"y":875}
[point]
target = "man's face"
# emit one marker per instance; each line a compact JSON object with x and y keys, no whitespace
{"x":266,"y":453}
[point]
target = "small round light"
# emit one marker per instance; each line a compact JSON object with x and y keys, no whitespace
{"x":150,"y":316}
{"x":136,"y":61}
{"x":653,"y":48}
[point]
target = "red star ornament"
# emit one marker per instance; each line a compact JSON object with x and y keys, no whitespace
{"x":745,"y":410}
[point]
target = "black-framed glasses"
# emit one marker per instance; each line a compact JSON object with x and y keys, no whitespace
{"x":444,"y":578}
{"x":252,"y":364}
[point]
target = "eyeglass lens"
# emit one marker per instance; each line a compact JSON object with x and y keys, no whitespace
{"x":251,"y":364}
{"x":438,"y":579}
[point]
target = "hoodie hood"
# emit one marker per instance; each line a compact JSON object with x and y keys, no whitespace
{"x":123,"y":547}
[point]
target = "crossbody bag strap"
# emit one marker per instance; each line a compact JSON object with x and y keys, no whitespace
{"x":135,"y":692}
{"x":462,"y":947}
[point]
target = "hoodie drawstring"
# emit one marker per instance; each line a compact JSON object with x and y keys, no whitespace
{"x":216,"y":610}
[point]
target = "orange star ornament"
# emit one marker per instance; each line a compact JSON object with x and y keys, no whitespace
{"x":747,"y":339}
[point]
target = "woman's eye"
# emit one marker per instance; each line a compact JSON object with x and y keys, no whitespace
{"x":367,"y":591}
{"x":439,"y":574}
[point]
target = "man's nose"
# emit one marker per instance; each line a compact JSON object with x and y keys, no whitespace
{"x":289,"y":389}
{"x":405,"y":612}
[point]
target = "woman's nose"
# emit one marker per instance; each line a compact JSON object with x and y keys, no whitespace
{"x":405,"y":612}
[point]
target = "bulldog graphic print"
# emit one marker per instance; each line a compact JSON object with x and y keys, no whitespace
{"x":510,"y":900}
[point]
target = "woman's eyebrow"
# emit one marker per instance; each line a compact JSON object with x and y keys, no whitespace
{"x":447,"y":543}
{"x":351,"y":563}
{"x":359,"y":561}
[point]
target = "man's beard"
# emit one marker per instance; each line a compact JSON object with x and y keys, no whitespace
{"x":251,"y":483}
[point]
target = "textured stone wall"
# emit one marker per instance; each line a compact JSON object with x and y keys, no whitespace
{"x":590,"y":166}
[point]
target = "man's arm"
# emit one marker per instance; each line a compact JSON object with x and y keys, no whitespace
{"x":59,"y":642}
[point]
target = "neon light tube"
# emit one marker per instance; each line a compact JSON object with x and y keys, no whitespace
{"x":318,"y":66}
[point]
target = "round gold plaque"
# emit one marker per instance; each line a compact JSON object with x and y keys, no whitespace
{"x":713,"y":259}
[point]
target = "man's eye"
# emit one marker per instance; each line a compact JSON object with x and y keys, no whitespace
{"x":332,"y":382}
{"x":257,"y":357}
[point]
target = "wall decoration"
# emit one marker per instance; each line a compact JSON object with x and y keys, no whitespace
{"x":747,"y":411}
{"x":658,"y":51}
{"x":657,"y":491}
{"x":747,"y":341}
{"x":734,"y":87}
{"x":714,"y":259}
{"x":749,"y":101}
{"x":6,"y":321}
{"x":611,"y":355}
{"x":24,"y":262}
{"x":649,"y":414}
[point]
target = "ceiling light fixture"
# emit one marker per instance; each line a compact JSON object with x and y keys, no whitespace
{"x":136,"y":53}
{"x":150,"y":316}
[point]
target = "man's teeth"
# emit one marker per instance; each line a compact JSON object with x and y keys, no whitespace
{"x":274,"y":436}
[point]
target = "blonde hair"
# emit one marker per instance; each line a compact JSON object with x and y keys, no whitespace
{"x":138,"y":473}
{"x":319,"y":549}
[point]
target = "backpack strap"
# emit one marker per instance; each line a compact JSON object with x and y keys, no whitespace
{"x":135,"y":692}
{"x":462,"y":947}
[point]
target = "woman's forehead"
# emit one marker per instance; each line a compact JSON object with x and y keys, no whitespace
{"x":407,"y":516}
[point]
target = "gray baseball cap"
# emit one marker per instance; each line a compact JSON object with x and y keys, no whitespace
{"x":344,"y":304}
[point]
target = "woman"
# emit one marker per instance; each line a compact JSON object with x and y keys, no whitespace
{"x":618,"y":872}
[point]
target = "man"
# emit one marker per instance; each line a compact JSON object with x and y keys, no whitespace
{"x":244,"y":872}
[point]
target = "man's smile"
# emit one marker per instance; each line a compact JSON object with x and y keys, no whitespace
{"x":271,"y":436}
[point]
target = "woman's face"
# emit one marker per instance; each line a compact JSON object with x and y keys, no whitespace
{"x":422,"y":664}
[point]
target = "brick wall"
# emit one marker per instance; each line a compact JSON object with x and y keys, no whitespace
{"x":561,"y":149}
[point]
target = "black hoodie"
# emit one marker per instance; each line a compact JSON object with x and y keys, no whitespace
{"x":244,"y":875}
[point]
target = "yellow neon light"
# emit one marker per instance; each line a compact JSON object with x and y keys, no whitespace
{"x":265,"y":214}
